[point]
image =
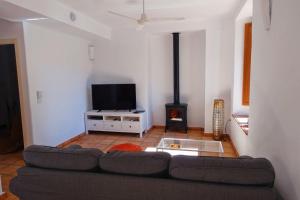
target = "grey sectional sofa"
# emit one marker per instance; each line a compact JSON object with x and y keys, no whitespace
{"x":77,"y":173}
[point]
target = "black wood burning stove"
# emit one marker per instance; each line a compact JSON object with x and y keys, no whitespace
{"x":176,"y":113}
{"x":176,"y":117}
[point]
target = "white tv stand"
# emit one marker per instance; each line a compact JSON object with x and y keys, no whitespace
{"x":116,"y":121}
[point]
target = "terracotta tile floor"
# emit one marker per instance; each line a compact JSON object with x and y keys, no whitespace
{"x":11,"y":162}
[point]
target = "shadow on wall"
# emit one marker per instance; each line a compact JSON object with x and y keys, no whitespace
{"x":226,"y":95}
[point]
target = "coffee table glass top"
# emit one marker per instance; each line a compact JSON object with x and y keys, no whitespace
{"x":176,"y":146}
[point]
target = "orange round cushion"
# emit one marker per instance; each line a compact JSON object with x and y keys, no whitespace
{"x":126,"y":147}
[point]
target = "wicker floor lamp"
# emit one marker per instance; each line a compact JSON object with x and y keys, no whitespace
{"x":218,"y":119}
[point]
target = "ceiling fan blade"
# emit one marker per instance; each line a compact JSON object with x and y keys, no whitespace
{"x":121,"y":15}
{"x":166,"y":19}
{"x":140,"y":27}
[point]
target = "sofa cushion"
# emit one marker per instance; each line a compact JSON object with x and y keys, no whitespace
{"x":73,"y":158}
{"x":136,"y":163}
{"x":245,"y":171}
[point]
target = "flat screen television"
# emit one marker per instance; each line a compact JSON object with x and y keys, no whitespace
{"x":114,"y":97}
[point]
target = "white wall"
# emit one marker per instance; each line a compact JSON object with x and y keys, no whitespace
{"x":192,"y":75}
{"x":161,"y":76}
{"x":11,"y":30}
{"x":58,"y":65}
{"x":219,"y":69}
{"x":124,"y":59}
{"x":274,"y":122}
{"x":134,"y":57}
{"x":147,"y":60}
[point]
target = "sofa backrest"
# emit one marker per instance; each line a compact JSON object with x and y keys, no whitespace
{"x":236,"y":171}
{"x":240,"y":171}
{"x":136,"y":163}
{"x":72,"y":158}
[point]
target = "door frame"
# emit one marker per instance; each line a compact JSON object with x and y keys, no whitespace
{"x":23,"y":91}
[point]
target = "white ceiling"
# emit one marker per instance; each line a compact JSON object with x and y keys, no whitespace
{"x":190,"y":9}
{"x":197,"y":13}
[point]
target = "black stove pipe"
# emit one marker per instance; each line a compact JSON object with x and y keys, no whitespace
{"x":176,"y":68}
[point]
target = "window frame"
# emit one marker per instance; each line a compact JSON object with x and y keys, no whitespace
{"x":247,"y":64}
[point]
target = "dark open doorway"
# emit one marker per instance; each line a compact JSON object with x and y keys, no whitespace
{"x":11,"y":132}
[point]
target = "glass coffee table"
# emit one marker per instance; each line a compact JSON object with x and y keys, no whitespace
{"x":189,"y":147}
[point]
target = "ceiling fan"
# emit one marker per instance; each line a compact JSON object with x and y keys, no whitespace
{"x":144,"y":18}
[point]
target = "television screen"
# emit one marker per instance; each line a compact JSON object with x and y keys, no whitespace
{"x":114,"y":97}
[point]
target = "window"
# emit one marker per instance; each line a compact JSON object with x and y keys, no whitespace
{"x":242,"y":121}
{"x":247,"y":64}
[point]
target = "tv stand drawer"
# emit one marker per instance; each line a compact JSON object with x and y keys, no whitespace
{"x":112,"y":126}
{"x":131,"y":126}
{"x":94,"y":125}
{"x":116,"y":121}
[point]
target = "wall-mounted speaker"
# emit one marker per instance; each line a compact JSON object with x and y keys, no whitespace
{"x":91,"y":52}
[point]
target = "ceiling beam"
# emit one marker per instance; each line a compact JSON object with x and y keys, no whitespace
{"x":60,"y":12}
